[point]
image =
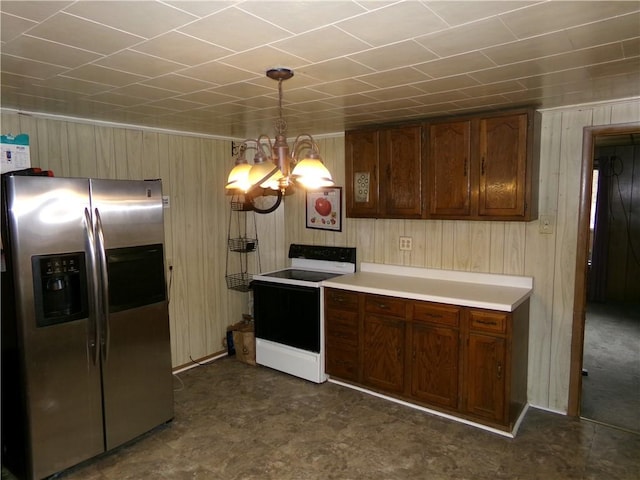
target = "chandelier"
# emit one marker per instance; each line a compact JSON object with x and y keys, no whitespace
{"x":276,"y":169}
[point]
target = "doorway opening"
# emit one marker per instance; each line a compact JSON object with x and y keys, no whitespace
{"x":605,"y":370}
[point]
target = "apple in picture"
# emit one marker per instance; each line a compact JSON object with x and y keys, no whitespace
{"x":323,"y":206}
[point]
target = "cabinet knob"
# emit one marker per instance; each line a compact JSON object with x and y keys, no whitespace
{"x":482,"y":166}
{"x":499,"y":371}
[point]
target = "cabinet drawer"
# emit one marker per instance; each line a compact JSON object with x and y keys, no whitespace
{"x":385,"y":305}
{"x":342,"y":327}
{"x":341,"y":299}
{"x":439,"y":314}
{"x":494,"y":322}
{"x":342,"y":362}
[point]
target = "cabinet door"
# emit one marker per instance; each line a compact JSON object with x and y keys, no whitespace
{"x":486,"y":377}
{"x":503,"y":156}
{"x":449,"y":168}
{"x":383,"y":343}
{"x":434,"y":373}
{"x":361,"y":168}
{"x":401,"y":172}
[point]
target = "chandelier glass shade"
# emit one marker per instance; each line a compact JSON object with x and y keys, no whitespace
{"x":275,"y":166}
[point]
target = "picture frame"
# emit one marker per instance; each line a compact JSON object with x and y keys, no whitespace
{"x":324,"y":209}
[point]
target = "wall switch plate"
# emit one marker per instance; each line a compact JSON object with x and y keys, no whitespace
{"x":406,"y":243}
{"x":546,"y":223}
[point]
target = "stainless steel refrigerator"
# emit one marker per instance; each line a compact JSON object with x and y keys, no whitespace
{"x":86,"y":358}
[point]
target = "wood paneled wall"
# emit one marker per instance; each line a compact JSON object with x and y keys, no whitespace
{"x":497,"y":247}
{"x":193,"y":172}
{"x":194,"y":169}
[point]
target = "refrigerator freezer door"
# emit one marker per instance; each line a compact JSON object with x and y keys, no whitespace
{"x":131,"y":211}
{"x":137,"y":379}
{"x":61,"y":378}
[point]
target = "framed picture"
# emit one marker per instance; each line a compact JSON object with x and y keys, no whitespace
{"x":324,"y":209}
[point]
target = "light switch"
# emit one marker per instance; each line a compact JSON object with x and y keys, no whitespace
{"x":546,"y":223}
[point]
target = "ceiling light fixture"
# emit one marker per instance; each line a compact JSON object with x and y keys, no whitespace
{"x":276,"y":168}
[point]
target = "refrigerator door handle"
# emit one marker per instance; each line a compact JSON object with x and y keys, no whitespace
{"x":104,"y":314}
{"x":92,"y":334}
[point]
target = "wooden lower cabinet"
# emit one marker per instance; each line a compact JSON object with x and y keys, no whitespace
{"x":464,"y":361}
{"x":384,"y":347}
{"x":435,"y":360}
{"x":341,"y":334}
{"x":435,"y":353}
{"x":342,"y":355}
{"x":486,"y":374}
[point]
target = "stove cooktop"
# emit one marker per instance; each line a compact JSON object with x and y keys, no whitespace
{"x":304,"y":275}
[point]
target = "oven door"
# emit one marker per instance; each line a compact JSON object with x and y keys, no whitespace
{"x":287,"y":314}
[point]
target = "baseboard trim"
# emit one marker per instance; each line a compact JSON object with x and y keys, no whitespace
{"x":547,"y":409}
{"x":436,"y":412}
{"x":200,"y":361}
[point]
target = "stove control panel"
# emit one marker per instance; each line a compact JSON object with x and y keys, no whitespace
{"x":322,"y":252}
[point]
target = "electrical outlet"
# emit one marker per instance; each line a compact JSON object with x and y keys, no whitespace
{"x":406,"y":243}
{"x":546,"y":223}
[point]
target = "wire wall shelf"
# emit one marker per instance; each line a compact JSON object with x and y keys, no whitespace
{"x":242,"y":244}
{"x":243,"y":256}
{"x":240,"y":282}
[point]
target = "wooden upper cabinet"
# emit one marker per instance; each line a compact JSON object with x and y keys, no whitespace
{"x":384,"y":172}
{"x":448,"y":168}
{"x":401,"y":172}
{"x":361,"y":169}
{"x":472,"y":167}
{"x":503,"y":164}
{"x":482,"y":167}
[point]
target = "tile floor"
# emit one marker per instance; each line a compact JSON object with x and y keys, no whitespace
{"x":235,"y":421}
{"x":611,"y":390}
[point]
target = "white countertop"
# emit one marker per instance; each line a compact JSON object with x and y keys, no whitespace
{"x":469,"y":289}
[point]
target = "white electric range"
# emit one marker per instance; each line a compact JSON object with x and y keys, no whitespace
{"x":288,"y":309}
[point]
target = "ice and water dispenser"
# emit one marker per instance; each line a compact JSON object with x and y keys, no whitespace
{"x":60,"y":288}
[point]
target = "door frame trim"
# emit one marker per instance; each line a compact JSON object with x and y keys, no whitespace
{"x":582,"y":254}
